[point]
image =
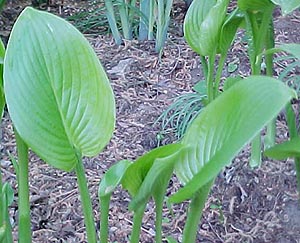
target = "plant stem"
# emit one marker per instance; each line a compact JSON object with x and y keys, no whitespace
{"x":219,"y":74}
{"x":158,"y":220}
{"x":291,"y":120}
{"x":210,"y":80}
{"x":8,"y":238}
{"x":86,"y":202}
{"x":271,"y":127}
{"x":204,"y":66}
{"x":23,"y":190}
{"x":255,"y":159}
{"x":297,"y":167}
{"x":159,"y":196}
{"x":104,"y":206}
{"x":259,"y":38}
{"x":195,"y":212}
{"x":137,"y":224}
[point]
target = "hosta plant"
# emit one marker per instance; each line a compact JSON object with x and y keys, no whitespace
{"x":62,"y":108}
{"x":60,"y":102}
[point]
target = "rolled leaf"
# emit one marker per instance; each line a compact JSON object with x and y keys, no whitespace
{"x":137,"y":172}
{"x":229,"y":29}
{"x":158,"y":175}
{"x":58,"y":95}
{"x":224,"y":127}
{"x":113,"y":177}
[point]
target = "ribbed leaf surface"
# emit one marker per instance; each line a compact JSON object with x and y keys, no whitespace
{"x":58,"y":94}
{"x":193,"y":21}
{"x":203,"y":23}
{"x":224,"y":127}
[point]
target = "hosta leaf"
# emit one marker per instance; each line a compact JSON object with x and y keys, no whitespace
{"x":287,"y":6}
{"x":58,"y":95}
{"x":288,"y":149}
{"x":254,"y":5}
{"x":113,"y":177}
{"x":9,"y":193}
{"x":193,"y":23}
{"x":224,"y":127}
{"x":137,"y":172}
{"x":230,"y":81}
{"x":291,"y":48}
{"x":229,"y":29}
{"x":211,"y":26}
{"x":158,"y":175}
{"x":2,"y":99}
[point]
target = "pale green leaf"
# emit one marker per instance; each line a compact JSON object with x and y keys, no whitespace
{"x":292,"y":48}
{"x":58,"y":95}
{"x":287,"y":6}
{"x":9,"y":193}
{"x":193,"y":23}
{"x":224,"y":127}
{"x":113,"y":177}
{"x":158,"y":175}
{"x":230,"y":81}
{"x":229,"y":29}
{"x":137,"y":172}
{"x":288,"y":149}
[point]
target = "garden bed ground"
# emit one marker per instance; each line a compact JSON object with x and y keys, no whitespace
{"x":245,"y":205}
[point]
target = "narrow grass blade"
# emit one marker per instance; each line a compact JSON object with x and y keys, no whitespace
{"x":146,"y":12}
{"x":110,"y":14}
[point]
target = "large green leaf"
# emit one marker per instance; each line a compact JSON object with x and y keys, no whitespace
{"x":58,"y":95}
{"x":287,"y":6}
{"x":2,"y":99}
{"x":224,"y":127}
{"x":288,"y":149}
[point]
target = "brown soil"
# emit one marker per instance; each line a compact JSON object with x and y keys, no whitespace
{"x":248,"y":205}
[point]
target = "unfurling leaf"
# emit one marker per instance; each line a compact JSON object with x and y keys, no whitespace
{"x":113,"y":177}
